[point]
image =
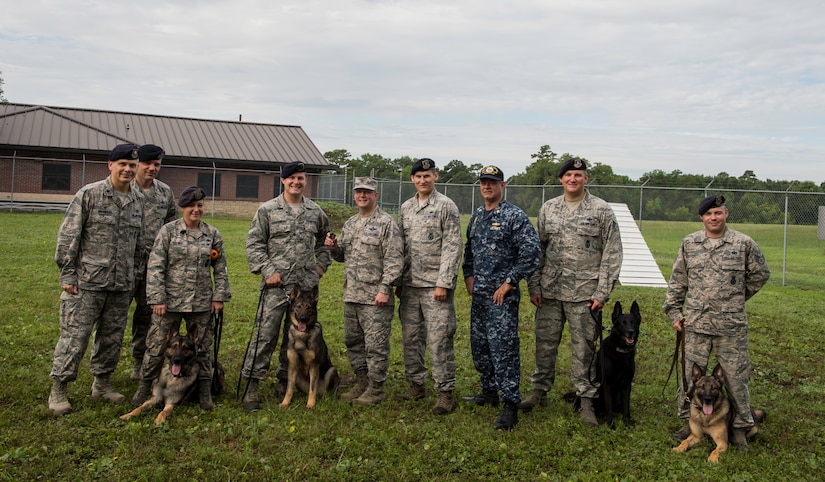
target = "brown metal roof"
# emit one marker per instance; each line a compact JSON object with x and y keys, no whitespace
{"x":42,"y":127}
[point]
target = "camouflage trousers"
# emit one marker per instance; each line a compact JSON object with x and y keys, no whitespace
{"x":105,"y":313}
{"x":732,"y":353}
{"x":427,"y":321}
{"x":550,"y":319}
{"x":201,"y":322}
{"x":367,"y":336}
{"x":494,"y":343}
{"x":273,"y":305}
{"x":141,"y":321}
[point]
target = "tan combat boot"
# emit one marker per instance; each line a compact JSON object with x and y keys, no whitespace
{"x":588,"y":415}
{"x":205,"y":394}
{"x":374,"y":394}
{"x":361,"y":384}
{"x":59,"y":398}
{"x":538,"y":397}
{"x":142,"y":394}
{"x":102,"y":388}
{"x":445,"y":403}
{"x":251,"y":401}
{"x":415,"y":392}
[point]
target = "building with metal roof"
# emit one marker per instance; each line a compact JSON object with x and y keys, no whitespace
{"x":54,"y":151}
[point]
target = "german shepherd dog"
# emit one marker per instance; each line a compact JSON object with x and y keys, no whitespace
{"x":710,"y":412}
{"x":177,"y":377}
{"x":619,"y":368}
{"x":310,"y":368}
{"x":618,"y":351}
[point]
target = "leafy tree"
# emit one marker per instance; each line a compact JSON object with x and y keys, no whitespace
{"x":2,"y":98}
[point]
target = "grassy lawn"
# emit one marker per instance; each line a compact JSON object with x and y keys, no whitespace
{"x":403,"y":440}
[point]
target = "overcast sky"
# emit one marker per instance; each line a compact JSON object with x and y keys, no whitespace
{"x":696,"y":85}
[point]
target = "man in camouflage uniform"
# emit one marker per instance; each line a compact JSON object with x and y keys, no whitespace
{"x":372,"y":248}
{"x":285,"y":245}
{"x":502,"y":249}
{"x":580,"y":263}
{"x":716,"y":270}
{"x":159,"y":209}
{"x":100,"y":248}
{"x":431,"y":227}
{"x":187,"y":280}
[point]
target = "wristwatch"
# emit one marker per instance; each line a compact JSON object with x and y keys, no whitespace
{"x":511,"y":282}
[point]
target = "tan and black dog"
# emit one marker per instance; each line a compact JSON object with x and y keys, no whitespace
{"x":177,"y":377}
{"x":710,"y":412}
{"x":310,"y":368}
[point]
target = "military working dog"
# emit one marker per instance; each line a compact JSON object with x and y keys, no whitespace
{"x":710,"y":412}
{"x":177,"y":377}
{"x":616,"y":365}
{"x":310,"y":368}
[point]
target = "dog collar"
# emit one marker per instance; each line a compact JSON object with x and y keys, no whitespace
{"x":626,"y":350}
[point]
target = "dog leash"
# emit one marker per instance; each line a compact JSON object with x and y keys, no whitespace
{"x":680,"y":346}
{"x":258,"y":318}
{"x":597,"y":317}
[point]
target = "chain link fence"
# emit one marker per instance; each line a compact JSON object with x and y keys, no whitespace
{"x":788,"y":225}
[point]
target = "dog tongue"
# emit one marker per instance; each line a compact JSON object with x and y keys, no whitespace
{"x":707,"y":408}
{"x":629,"y":341}
{"x":176,"y":369}
{"x":302,"y":327}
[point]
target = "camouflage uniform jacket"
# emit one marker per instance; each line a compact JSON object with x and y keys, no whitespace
{"x":501,"y":243}
{"x":181,"y":268}
{"x":159,"y":208}
{"x":288,"y":240}
{"x":373,"y":252}
{"x":710,"y":282}
{"x":432,"y":242}
{"x":100,"y":244}
{"x":581,"y":251}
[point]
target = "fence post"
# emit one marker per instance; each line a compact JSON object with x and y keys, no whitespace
{"x":641,"y":201}
{"x":785,"y":237}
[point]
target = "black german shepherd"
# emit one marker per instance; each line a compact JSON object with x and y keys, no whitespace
{"x":615,"y":366}
{"x":619,"y":350}
{"x":310,"y":368}
{"x":177,"y":377}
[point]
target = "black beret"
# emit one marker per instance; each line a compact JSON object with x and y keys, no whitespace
{"x":711,"y":202}
{"x":491,"y":172}
{"x":124,"y":151}
{"x":292,"y":168}
{"x":575,"y":164}
{"x":150,"y":152}
{"x":423,"y":164}
{"x":190,"y":195}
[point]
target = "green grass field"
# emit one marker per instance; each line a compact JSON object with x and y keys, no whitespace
{"x":402,"y":440}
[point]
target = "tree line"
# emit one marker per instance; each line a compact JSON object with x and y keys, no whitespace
{"x":756,"y":206}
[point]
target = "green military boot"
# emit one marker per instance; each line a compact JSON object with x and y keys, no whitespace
{"x":415,"y":392}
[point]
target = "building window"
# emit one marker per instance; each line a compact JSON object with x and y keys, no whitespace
{"x":57,"y":177}
{"x":246,"y":187}
{"x":205,"y":183}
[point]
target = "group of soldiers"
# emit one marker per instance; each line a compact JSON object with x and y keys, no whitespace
{"x":571,"y":264}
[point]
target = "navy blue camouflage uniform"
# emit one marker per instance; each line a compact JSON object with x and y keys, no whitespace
{"x":501,"y":245}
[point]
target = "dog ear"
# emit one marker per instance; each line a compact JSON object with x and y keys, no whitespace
{"x":617,"y":311}
{"x":719,"y":374}
{"x":314,"y":294}
{"x":294,"y":293}
{"x":172,"y":333}
{"x":634,"y":310}
{"x":697,"y":372}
